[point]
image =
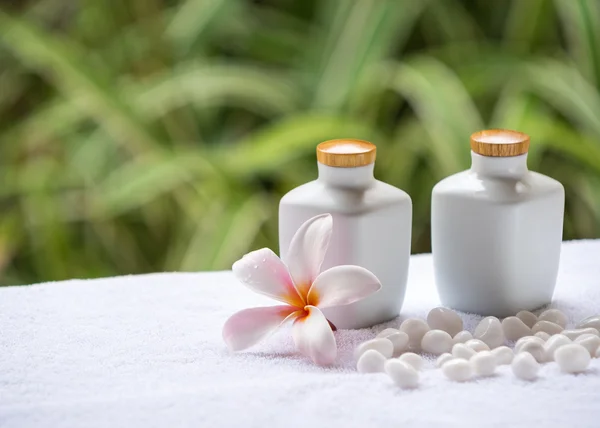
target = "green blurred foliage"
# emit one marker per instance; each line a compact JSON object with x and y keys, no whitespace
{"x":151,"y":135}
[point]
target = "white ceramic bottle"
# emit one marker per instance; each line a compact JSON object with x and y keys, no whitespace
{"x":497,"y":230}
{"x":371,"y":226}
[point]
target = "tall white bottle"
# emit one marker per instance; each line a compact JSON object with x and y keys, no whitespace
{"x":497,"y":230}
{"x":371,"y":226}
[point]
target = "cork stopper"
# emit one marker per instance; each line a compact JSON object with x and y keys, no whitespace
{"x":346,"y":153}
{"x":500,"y":143}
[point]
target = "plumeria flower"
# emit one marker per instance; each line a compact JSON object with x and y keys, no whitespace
{"x":302,"y":287}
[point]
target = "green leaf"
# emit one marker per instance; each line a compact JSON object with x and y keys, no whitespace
{"x":581,"y":21}
{"x":563,"y":87}
{"x":144,"y":179}
{"x":191,"y":20}
{"x":361,"y":34}
{"x":225,"y":234}
{"x":443,"y":106}
{"x":64,"y":65}
{"x":268,"y":149}
{"x":264,"y":92}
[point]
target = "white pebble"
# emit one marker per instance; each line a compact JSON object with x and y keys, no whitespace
{"x":403,"y":374}
{"x":442,"y":359}
{"x":436,"y":342}
{"x":572,"y":358}
{"x":416,"y":329}
{"x":383,"y":346}
{"x":462,"y":336}
{"x":547,"y":327}
{"x":415,"y":360}
{"x":528,"y":318}
{"x":458,"y":370}
{"x":591,"y":342}
{"x":444,"y":319}
{"x":598,"y":353}
{"x":524,"y":366}
{"x":555,"y":316}
{"x":534,"y":348}
{"x":484,"y":363}
{"x":370,"y":361}
{"x":555,"y":342}
{"x":526,"y":339}
{"x":398,"y":338}
{"x":460,"y":350}
{"x":387,"y":332}
{"x":503,"y":354}
{"x":514,"y":328}
{"x":590,"y":322}
{"x":477,"y":345}
{"x":542,"y":335}
{"x":574,"y":334}
{"x":490,"y":331}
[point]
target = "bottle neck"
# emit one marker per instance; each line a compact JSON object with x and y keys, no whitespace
{"x":351,"y":178}
{"x":509,"y":167}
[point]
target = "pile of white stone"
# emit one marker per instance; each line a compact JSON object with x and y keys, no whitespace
{"x":462,"y":355}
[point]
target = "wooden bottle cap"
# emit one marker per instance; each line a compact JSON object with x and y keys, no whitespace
{"x":500,"y":143}
{"x":346,"y":153}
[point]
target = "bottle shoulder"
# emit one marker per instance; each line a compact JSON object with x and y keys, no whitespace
{"x":317,"y":194}
{"x":468,"y":184}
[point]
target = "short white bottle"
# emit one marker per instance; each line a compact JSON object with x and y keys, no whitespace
{"x":371,"y":226}
{"x":497,"y":230}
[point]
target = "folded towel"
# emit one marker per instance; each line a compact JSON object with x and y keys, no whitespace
{"x":147,"y":351}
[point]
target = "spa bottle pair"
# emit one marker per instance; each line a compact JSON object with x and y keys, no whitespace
{"x":496,"y":228}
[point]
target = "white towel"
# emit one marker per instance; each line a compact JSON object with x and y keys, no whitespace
{"x":146,"y":351}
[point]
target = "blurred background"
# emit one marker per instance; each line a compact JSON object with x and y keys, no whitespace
{"x":159,"y":135}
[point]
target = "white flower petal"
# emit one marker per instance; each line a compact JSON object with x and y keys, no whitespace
{"x":262,"y":271}
{"x":342,"y":285}
{"x":313,"y":337}
{"x":307,"y":251}
{"x":246,"y":328}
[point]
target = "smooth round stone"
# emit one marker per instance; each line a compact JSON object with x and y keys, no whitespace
{"x":590,"y":322}
{"x":522,"y":341}
{"x":443,"y":359}
{"x":370,"y":361}
{"x":436,"y":342}
{"x":546,"y":327}
{"x":528,"y":318}
{"x":598,"y":353}
{"x":572,"y":358}
{"x":403,"y":374}
{"x":591,"y":342}
{"x":416,"y":329}
{"x":398,"y":338}
{"x":503,"y":354}
{"x":555,"y":316}
{"x":575,"y":333}
{"x":462,"y":336}
{"x":490,"y":331}
{"x":555,"y":342}
{"x":387,"y":332}
{"x":534,"y":348}
{"x":458,"y":370}
{"x":415,"y":360}
{"x":483,"y":363}
{"x":460,"y":350}
{"x":542,"y":335}
{"x":525,"y":367}
{"x":514,"y":328}
{"x":444,"y":319}
{"x":477,"y":345}
{"x":384,"y":346}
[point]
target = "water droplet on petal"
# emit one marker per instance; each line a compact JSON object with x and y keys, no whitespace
{"x":255,"y":266}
